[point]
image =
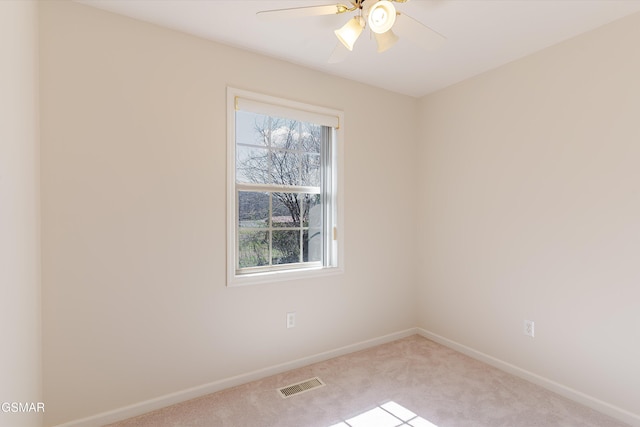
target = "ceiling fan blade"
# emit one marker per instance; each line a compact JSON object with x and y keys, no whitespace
{"x":296,"y":12}
{"x":418,"y":33}
{"x":339,"y":54}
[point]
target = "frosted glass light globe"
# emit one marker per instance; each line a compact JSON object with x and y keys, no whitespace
{"x":382,"y":16}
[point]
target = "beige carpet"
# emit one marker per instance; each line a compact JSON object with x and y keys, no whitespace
{"x":409,"y":382}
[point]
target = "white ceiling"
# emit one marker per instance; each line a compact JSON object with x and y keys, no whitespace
{"x":481,"y":34}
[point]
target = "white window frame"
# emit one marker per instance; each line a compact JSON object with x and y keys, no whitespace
{"x":243,"y":99}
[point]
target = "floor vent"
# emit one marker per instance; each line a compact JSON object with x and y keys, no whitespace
{"x":298,"y":388}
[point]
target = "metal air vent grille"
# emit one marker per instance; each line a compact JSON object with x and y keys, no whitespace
{"x":301,"y":387}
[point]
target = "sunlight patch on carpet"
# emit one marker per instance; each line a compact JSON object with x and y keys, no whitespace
{"x":390,"y":414}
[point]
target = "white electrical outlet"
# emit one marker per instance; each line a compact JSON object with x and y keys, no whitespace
{"x":529,"y":328}
{"x":291,"y":320}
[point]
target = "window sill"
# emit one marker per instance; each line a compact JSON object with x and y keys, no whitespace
{"x":235,"y":280}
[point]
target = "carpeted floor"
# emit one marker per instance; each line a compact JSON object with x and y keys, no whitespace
{"x":410,"y":382}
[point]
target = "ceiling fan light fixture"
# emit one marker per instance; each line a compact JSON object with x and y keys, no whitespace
{"x":382,"y":16}
{"x":350,"y":32}
{"x":385,"y":40}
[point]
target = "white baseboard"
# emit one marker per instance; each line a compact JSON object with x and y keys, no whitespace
{"x":199,"y":391}
{"x":569,"y":393}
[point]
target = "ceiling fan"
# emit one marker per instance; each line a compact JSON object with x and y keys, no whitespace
{"x":380,"y":16}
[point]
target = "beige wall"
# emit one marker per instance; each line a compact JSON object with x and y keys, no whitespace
{"x":133,"y":166}
{"x":20,"y":361}
{"x":530,"y":206}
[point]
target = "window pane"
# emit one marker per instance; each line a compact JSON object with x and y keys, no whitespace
{"x":311,"y":170}
{"x":310,"y":137}
{"x":253,"y":209}
{"x":252,"y":165}
{"x":286,"y":168}
{"x":312,"y":213}
{"x":286,"y":209}
{"x":285,"y":134}
{"x":253,"y":248}
{"x":312,"y":245}
{"x":251,"y":129}
{"x":286,"y":246}
{"x":312,"y":241}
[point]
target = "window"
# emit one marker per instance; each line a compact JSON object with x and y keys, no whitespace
{"x":283,"y":192}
